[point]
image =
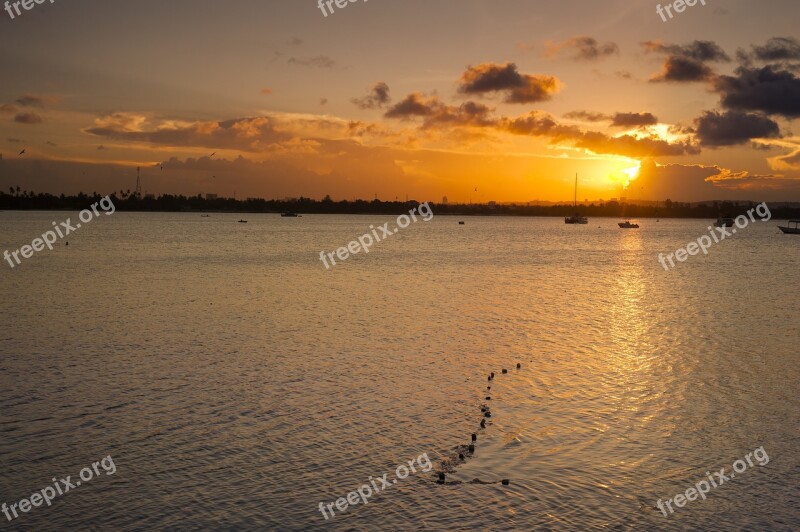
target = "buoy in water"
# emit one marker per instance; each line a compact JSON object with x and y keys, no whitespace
{"x":488,"y":398}
{"x":461,"y":457}
{"x":441,"y":478}
{"x":474,"y":437}
{"x":519,"y":365}
{"x":506,"y":482}
{"x":505,"y":371}
{"x":471,"y":448}
{"x":483,"y":423}
{"x":487,"y":414}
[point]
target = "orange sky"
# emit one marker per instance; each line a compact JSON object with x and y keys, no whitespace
{"x":394,"y":99}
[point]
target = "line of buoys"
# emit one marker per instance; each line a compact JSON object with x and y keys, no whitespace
{"x":471,"y":448}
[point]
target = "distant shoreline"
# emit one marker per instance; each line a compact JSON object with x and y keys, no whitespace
{"x":197,"y":204}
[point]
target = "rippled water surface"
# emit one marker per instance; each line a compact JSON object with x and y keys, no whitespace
{"x":237,"y":384}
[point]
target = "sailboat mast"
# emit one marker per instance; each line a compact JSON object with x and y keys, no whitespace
{"x":575,"y":201}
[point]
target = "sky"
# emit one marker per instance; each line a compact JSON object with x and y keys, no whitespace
{"x":473,"y":100}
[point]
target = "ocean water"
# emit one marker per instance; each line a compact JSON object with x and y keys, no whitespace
{"x":237,"y":384}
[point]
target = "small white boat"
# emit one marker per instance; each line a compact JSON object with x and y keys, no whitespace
{"x":789,"y":230}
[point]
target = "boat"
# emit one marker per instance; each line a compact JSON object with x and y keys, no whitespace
{"x":242,"y":221}
{"x":628,"y":225}
{"x":204,"y":216}
{"x":724,"y":222}
{"x":289,"y":215}
{"x":460,"y":223}
{"x":576,"y":218}
{"x":789,"y":230}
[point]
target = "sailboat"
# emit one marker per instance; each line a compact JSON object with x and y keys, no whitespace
{"x":576,"y":218}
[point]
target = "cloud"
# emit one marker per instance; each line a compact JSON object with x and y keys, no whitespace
{"x":683,"y":69}
{"x":519,"y":88}
{"x":320,"y":61}
{"x":617,"y":119}
{"x":28,"y":118}
{"x":634,"y":120}
{"x":686,"y":63}
{"x":250,"y":134}
{"x":789,"y":161}
{"x":582,"y":48}
{"x":438,"y":114}
{"x":543,"y":125}
{"x":101,"y":148}
{"x":8,"y":109}
{"x":30,"y":100}
{"x":377,"y":98}
{"x":588,"y":116}
{"x":265,"y":91}
{"x":728,"y":178}
{"x":774,"y":92}
{"x":733,"y":127}
{"x":778,"y":49}
{"x":294,"y":41}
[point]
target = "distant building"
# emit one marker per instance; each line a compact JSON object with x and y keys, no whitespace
{"x":211,"y":196}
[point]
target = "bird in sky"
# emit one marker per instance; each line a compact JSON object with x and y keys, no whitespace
{"x":213,"y":154}
{"x":23,"y":151}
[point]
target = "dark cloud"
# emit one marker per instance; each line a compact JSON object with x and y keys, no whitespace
{"x":320,"y":61}
{"x":617,"y":119}
{"x":686,"y":63}
{"x":683,"y":69}
{"x":377,"y":98}
{"x":697,"y":50}
{"x":30,"y":100}
{"x":412,"y":106}
{"x":588,"y":116}
{"x":778,"y":49}
{"x":438,"y":114}
{"x":733,"y":127}
{"x":248,"y":134}
{"x":518,"y":88}
{"x":542,"y":125}
{"x":28,"y":118}
{"x":634,"y":119}
{"x":775,"y":92}
{"x":584,"y":48}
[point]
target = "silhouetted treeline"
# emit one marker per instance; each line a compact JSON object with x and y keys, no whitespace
{"x":24,"y":200}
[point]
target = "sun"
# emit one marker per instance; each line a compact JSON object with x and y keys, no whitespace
{"x":632,"y":173}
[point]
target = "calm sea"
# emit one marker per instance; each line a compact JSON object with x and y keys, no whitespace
{"x":238,"y":384}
